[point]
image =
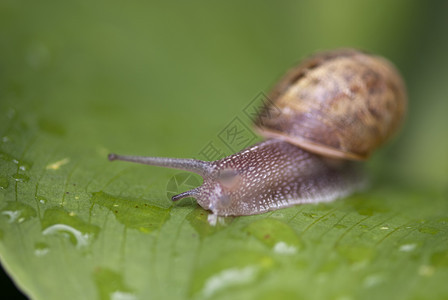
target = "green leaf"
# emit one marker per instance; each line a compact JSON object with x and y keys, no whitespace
{"x":80,"y":80}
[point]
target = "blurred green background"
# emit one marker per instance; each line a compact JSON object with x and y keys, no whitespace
{"x":80,"y":79}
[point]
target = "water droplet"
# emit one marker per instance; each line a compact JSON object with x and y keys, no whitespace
{"x":20,"y":178}
{"x":231,"y":269}
{"x":443,"y":221}
{"x":340,"y":226}
{"x":229,"y":277}
{"x":426,"y":270}
{"x":275,"y":234}
{"x":367,"y":208}
{"x":144,"y":217}
{"x":111,"y":285}
{"x":81,"y":239}
{"x":372,"y":280}
{"x":407,"y":247}
{"x":23,"y":165}
{"x":283,"y":248}
{"x":428,"y":230}
{"x":42,"y":200}
{"x":384,"y":228}
{"x":356,"y":253}
{"x":310,"y":215}
{"x":440,"y":259}
{"x":4,"y":182}
{"x":41,"y":249}
{"x":120,"y":295}
{"x":57,"y":221}
{"x":18,"y":212}
{"x":5,"y":139}
{"x":57,"y":164}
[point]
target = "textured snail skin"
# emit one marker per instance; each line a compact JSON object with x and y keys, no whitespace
{"x":266,"y":176}
{"x":274,"y":174}
{"x":341,"y":103}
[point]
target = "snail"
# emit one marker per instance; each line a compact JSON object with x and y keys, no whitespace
{"x":335,"y":109}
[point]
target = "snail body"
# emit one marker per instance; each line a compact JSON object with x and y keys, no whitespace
{"x":269,"y":175}
{"x":335,"y":107}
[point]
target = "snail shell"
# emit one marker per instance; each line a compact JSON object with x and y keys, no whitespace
{"x":342,"y":104}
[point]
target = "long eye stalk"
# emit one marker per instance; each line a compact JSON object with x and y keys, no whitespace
{"x":203,"y":168}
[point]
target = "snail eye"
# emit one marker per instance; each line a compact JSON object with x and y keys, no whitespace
{"x":227,"y":174}
{"x":229,"y":178}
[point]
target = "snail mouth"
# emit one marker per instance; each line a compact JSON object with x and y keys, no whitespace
{"x":219,"y":205}
{"x":224,"y":201}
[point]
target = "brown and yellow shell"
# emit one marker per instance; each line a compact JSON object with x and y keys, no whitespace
{"x":343,"y":104}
